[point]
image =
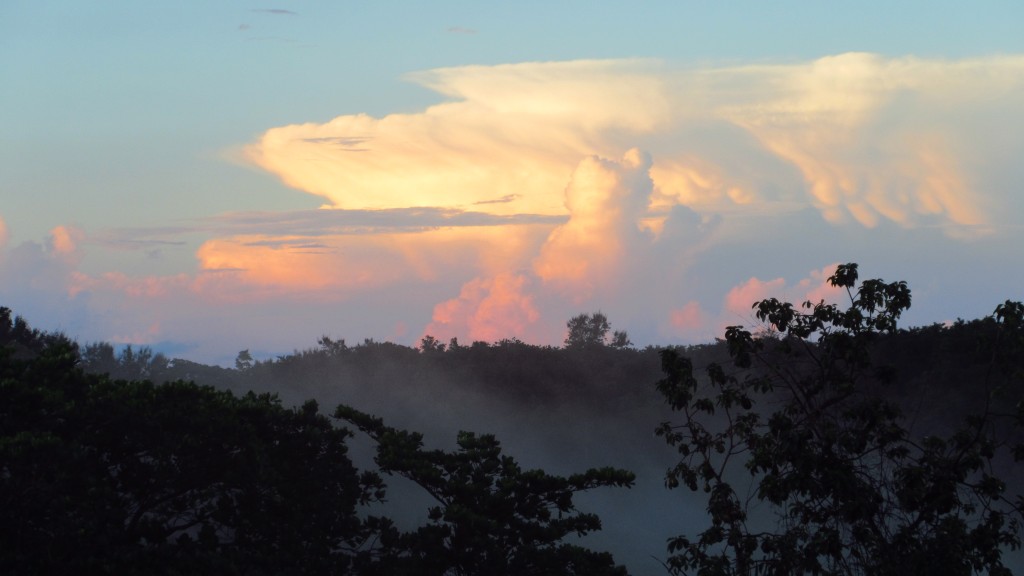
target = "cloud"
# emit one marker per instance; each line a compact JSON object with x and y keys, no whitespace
{"x":739,"y":300}
{"x":488,"y":309}
{"x":690,"y":321}
{"x":511,"y":133}
{"x":871,"y":139}
{"x":606,"y":201}
{"x":586,"y":180}
{"x":338,"y":264}
{"x":64,"y":240}
{"x":4,"y":235}
{"x":814,"y":287}
{"x":671,"y":198}
{"x":349,"y":222}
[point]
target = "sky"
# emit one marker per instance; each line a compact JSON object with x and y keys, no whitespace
{"x":204,"y":177}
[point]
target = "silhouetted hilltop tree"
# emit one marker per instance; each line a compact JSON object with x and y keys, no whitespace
{"x":853,"y":490}
{"x":244,"y":361}
{"x":590,"y":330}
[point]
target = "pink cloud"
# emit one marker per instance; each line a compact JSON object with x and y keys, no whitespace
{"x":606,"y":202}
{"x":816,"y":288}
{"x":64,"y":241}
{"x":688,"y":318}
{"x":739,"y":299}
{"x":487,"y":309}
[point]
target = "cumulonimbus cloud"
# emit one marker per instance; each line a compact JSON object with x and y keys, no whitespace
{"x":534,"y":191}
{"x":860,"y":138}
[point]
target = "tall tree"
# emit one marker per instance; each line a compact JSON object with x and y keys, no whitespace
{"x":840,"y":483}
{"x":589,"y":330}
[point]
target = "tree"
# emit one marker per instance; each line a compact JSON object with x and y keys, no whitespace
{"x":620,"y":340}
{"x":129,"y":364}
{"x":589,"y":330}
{"x":430,"y":345}
{"x":111,"y":476}
{"x":492,"y":517}
{"x":244,"y":361}
{"x":851,"y":489}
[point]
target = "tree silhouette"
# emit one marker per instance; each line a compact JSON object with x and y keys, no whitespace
{"x":492,"y":517}
{"x":244,"y":361}
{"x":590,"y":330}
{"x":112,"y":476}
{"x":851,"y":489}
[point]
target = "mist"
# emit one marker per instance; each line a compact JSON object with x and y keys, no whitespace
{"x":565,"y":410}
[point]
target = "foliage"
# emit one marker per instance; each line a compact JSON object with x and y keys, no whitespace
{"x":128,"y":364}
{"x":852,"y":489}
{"x":492,"y":517}
{"x":591,"y":330}
{"x":110,"y":476}
{"x":244,"y":361}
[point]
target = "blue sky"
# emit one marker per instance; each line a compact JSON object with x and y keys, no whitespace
{"x":136,"y":136}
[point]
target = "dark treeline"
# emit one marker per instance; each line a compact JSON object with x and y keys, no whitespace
{"x":130,"y":462}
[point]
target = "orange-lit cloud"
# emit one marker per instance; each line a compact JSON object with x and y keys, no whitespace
{"x":64,"y":240}
{"x":619,"y":148}
{"x":338,"y":265}
{"x":488,"y":309}
{"x":533,"y":192}
{"x":870,"y":137}
{"x":605,"y":201}
{"x":505,"y":143}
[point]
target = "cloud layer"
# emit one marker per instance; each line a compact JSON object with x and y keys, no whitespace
{"x":668,"y":197}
